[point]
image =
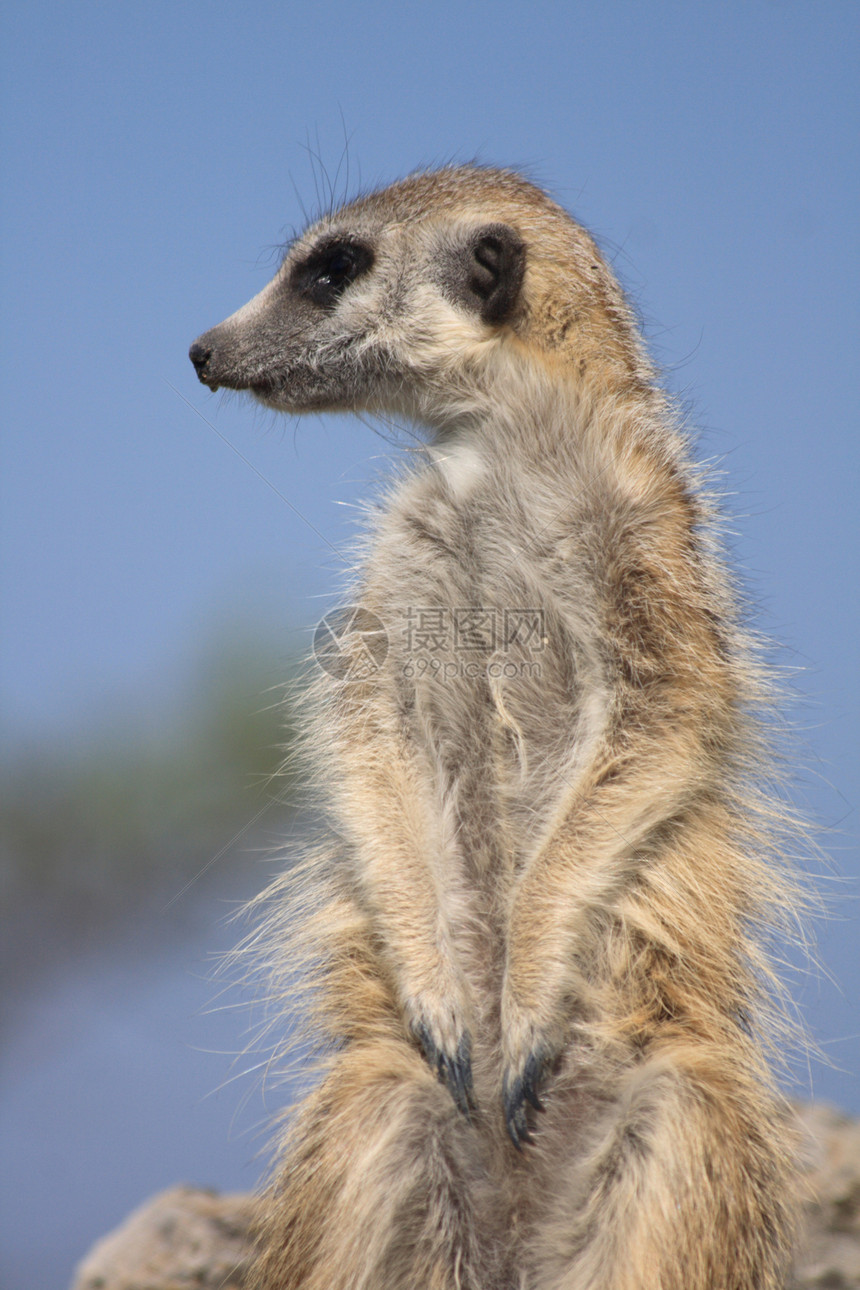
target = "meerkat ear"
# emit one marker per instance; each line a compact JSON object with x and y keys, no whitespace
{"x":489,"y":271}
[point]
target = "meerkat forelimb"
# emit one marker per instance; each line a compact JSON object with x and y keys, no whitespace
{"x":540,"y":961}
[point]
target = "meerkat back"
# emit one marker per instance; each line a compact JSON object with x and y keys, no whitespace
{"x":532,"y":933}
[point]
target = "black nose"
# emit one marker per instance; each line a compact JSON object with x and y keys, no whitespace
{"x":200,"y":355}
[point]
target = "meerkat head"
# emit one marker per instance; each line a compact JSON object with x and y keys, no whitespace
{"x":402,"y":300}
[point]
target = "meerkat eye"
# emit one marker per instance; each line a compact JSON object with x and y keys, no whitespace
{"x":339,"y":267}
{"x":329,"y":270}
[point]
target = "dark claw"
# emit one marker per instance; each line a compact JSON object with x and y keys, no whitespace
{"x":515,"y":1115}
{"x":523,"y":1089}
{"x":455,"y":1072}
{"x":532,"y":1076}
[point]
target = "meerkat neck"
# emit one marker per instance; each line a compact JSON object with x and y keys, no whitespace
{"x":558,"y":424}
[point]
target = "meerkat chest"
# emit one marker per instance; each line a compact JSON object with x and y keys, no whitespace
{"x":487,"y":651}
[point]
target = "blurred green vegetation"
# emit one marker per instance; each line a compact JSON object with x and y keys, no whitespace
{"x":122,"y":818}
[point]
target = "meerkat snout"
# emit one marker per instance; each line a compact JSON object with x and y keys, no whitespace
{"x":200,"y":356}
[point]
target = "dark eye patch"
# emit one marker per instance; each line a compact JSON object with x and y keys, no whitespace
{"x":329,"y":269}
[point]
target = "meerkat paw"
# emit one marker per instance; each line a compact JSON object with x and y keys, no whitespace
{"x":530,"y":1051}
{"x":437,"y":1025}
{"x":520,"y":1088}
{"x":452,"y":1066}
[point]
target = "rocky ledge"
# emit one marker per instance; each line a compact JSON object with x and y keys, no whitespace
{"x":187,"y":1238}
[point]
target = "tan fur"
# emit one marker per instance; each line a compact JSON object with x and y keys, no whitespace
{"x":559,"y":882}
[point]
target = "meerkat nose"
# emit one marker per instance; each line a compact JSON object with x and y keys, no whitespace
{"x":200,"y":356}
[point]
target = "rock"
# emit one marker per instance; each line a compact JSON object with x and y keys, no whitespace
{"x":182,"y":1239}
{"x":186,"y":1239}
{"x":830,"y":1251}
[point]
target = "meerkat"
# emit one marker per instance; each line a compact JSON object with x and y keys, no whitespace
{"x":538,"y":930}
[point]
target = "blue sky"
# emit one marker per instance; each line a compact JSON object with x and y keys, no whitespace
{"x":156,"y":155}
